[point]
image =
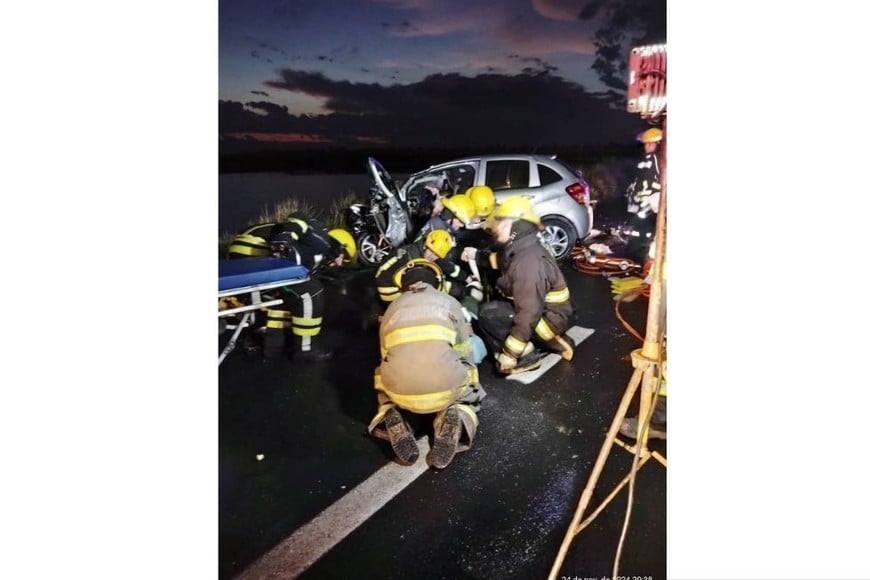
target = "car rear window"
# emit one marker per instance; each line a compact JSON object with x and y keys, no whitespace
{"x":570,"y":169}
{"x":547,"y":175}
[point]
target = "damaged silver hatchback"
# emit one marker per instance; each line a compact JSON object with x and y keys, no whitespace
{"x":559,"y":192}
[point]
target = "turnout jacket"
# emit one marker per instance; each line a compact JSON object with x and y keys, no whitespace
{"x":426,"y":352}
{"x":644,"y":192}
{"x":306,"y":241}
{"x":385,"y":276}
{"x":532,"y":280}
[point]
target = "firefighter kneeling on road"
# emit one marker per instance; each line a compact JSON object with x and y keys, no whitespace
{"x":539,"y":302}
{"x":427,"y":366}
{"x":300,"y":317}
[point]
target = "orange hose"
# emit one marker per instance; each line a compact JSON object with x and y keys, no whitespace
{"x":643,"y":292}
{"x":591,"y":270}
{"x":596,"y":270}
{"x":586,"y":268}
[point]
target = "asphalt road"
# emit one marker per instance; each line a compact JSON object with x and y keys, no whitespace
{"x":299,"y":477}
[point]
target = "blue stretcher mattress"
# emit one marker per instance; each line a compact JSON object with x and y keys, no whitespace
{"x":243,"y":273}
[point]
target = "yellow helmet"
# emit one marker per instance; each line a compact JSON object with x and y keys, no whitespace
{"x":517,"y":207}
{"x":483,"y":199}
{"x":247,"y":245}
{"x":461,"y":207}
{"x":653,"y":135}
{"x":440,"y":242}
{"x":429,"y":269}
{"x":346,"y":241}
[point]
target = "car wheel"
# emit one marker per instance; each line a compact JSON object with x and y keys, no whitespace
{"x":561,"y":235}
{"x":372,"y":249}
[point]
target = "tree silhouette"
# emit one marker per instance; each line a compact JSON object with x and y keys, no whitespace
{"x":626,"y":24}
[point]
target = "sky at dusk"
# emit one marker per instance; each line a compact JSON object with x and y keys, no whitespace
{"x":414,"y":73}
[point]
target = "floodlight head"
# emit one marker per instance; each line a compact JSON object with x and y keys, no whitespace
{"x":647,"y":73}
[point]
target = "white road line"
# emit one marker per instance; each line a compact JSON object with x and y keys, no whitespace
{"x":576,"y":333}
{"x":303,"y":547}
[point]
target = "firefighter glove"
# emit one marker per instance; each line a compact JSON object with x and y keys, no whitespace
{"x":474,"y":288}
{"x":468,"y":254}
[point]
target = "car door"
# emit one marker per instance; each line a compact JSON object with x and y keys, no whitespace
{"x":452,"y":177}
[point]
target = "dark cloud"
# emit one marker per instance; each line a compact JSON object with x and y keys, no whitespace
{"x":443,"y":110}
{"x":539,"y":65}
{"x":266,"y":108}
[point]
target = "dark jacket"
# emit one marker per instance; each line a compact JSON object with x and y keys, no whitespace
{"x":306,"y":240}
{"x":532,"y":280}
{"x":385,"y":276}
{"x":646,"y":183}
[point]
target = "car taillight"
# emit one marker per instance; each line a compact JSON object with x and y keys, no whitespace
{"x":578,"y":192}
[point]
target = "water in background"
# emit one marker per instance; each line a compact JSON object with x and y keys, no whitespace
{"x":243,"y":197}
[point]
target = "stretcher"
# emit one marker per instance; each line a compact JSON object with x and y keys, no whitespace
{"x":247,"y":280}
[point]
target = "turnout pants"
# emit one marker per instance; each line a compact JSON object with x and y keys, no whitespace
{"x":496,"y":318}
{"x":297,"y":321}
{"x":637,"y":248}
{"x":465,"y":398}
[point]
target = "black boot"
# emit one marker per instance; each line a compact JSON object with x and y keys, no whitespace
{"x":274,"y":344}
{"x":528,"y":362}
{"x":446,"y":439}
{"x":401,"y":438}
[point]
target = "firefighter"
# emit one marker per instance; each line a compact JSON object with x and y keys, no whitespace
{"x":458,"y":213}
{"x":476,"y":234}
{"x":427,"y":366}
{"x":537,"y":305}
{"x":643,"y":196}
{"x":300,"y":317}
{"x":435,"y":247}
{"x":473,"y":234}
